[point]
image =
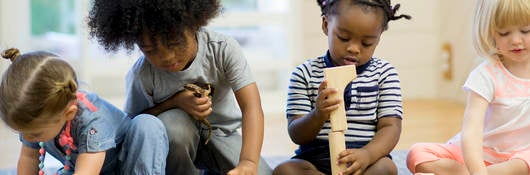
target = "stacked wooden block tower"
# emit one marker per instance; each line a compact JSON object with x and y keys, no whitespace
{"x":338,"y":77}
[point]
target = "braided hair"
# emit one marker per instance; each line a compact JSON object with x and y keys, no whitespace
{"x":330,"y":7}
{"x":35,"y":88}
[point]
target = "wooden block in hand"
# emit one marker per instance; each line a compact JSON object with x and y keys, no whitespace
{"x":337,"y":144}
{"x":339,"y":77}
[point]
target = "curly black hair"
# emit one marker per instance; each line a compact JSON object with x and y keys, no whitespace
{"x":120,"y":23}
{"x":330,"y":7}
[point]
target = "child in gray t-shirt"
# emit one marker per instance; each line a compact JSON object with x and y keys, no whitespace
{"x":176,"y":52}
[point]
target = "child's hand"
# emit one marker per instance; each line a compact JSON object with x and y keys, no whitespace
{"x":198,"y":107}
{"x":245,"y":168}
{"x":325,"y":104}
{"x":357,"y":160}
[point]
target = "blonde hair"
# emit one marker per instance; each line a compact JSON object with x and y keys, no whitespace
{"x":491,"y":15}
{"x":35,"y":88}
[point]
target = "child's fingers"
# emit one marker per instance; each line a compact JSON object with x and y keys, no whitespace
{"x":199,"y":115}
{"x":327,"y":92}
{"x":329,"y":108}
{"x":345,"y":153}
{"x":322,"y":86}
{"x":332,"y":102}
{"x":187,"y":93}
{"x":354,"y":168}
{"x":323,"y":100}
{"x":202,"y":100}
{"x":202,"y":105}
{"x":346,"y":156}
{"x":329,"y":104}
{"x":351,"y":155}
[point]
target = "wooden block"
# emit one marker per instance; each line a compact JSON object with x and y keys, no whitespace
{"x":339,"y":77}
{"x":337,"y":144}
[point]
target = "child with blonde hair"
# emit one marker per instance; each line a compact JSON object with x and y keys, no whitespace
{"x":39,"y":98}
{"x":494,"y":137}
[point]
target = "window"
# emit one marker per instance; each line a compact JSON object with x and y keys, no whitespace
{"x":53,"y":27}
{"x":52,"y":16}
{"x":239,"y":5}
{"x":255,"y":5}
{"x":262,"y":29}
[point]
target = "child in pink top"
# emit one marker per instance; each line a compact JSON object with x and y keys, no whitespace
{"x":494,"y":137}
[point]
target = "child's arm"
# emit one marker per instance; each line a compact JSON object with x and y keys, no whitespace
{"x":198,"y":107}
{"x":252,"y":130}
{"x":385,"y":139}
{"x":304,"y":128}
{"x":28,"y":163}
{"x":472,"y":129}
{"x":89,"y":163}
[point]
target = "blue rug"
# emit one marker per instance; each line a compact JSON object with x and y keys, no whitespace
{"x":400,"y":158}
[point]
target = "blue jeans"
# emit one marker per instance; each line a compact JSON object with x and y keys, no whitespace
{"x":145,"y":147}
{"x":188,"y":153}
{"x":143,"y":151}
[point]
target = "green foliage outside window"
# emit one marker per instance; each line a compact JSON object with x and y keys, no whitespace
{"x":52,"y":16}
{"x":240,"y":5}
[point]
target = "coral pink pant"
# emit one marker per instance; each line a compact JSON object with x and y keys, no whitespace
{"x":426,"y":152}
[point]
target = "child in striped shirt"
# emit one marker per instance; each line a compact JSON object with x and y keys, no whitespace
{"x":372,"y":101}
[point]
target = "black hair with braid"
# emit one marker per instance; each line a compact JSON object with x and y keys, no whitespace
{"x":330,"y":7}
{"x":120,"y":23}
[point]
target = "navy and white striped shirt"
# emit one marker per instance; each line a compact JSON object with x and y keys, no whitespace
{"x":374,"y":94}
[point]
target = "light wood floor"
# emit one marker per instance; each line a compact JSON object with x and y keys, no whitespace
{"x":430,"y":121}
{"x":424,"y":121}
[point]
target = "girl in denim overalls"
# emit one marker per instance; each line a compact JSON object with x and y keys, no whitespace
{"x":40,"y":99}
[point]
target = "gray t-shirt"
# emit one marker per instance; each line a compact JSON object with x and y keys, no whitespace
{"x":219,"y":62}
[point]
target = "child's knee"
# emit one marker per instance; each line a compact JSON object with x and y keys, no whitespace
{"x":147,"y":122}
{"x":285,"y":168}
{"x":419,"y":149}
{"x":418,"y":153}
{"x":181,"y":139}
{"x":147,"y":125}
{"x":295,"y":167}
{"x":172,"y":115}
{"x":384,"y":166}
{"x":181,"y":128}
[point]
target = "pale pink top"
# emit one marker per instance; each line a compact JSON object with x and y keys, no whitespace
{"x":507,"y":122}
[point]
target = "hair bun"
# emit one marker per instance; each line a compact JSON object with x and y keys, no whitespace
{"x":11,"y":54}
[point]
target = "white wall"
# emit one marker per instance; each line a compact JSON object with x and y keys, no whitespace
{"x":455,"y":28}
{"x":14,"y":28}
{"x":313,"y":42}
{"x":411,"y":46}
